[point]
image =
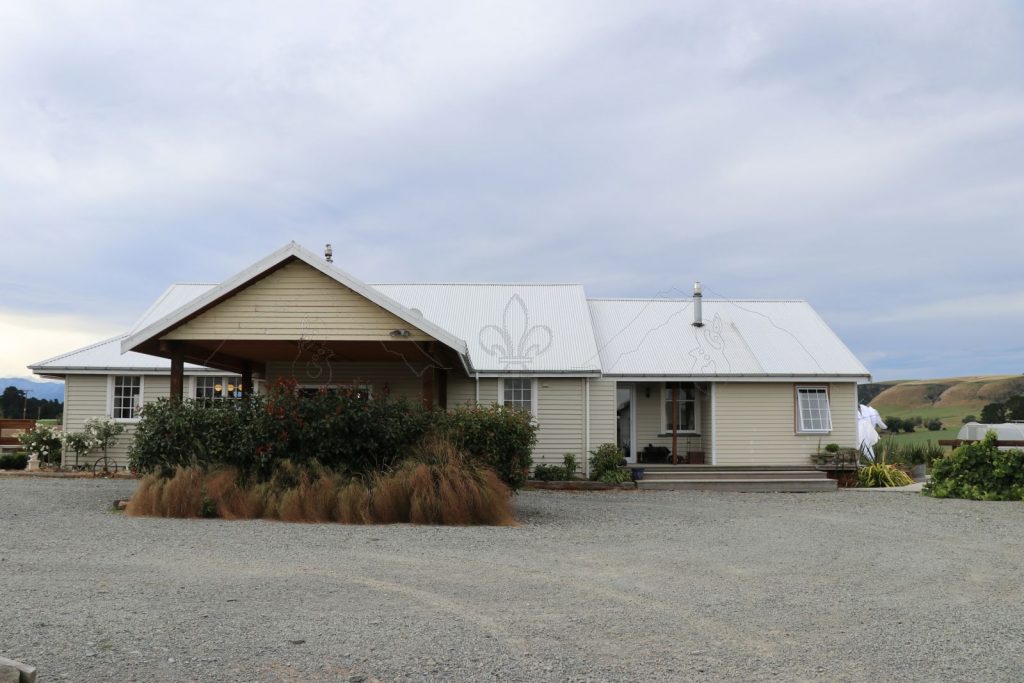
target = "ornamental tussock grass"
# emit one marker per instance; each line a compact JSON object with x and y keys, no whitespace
{"x":438,"y":484}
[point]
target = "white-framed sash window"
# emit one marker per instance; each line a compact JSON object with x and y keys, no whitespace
{"x":687,"y":406}
{"x":518,"y":392}
{"x":813,"y":413}
{"x":124,"y":397}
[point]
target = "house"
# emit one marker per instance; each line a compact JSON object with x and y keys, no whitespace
{"x":722,"y":382}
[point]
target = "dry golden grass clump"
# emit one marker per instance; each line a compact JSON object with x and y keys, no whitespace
{"x":438,"y":485}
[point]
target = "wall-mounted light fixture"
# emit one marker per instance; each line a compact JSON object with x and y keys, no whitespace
{"x":403,"y":334}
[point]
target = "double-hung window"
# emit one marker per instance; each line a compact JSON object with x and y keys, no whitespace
{"x":812,"y":410}
{"x":216,"y":388}
{"x":687,"y":408}
{"x":126,"y":397}
{"x":519,"y":392}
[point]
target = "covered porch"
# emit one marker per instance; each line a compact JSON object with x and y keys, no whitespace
{"x":665,"y":422}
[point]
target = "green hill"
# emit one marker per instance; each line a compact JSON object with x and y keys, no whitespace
{"x":949,"y":400}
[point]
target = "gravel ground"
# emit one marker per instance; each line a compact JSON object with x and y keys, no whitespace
{"x":845,"y":586}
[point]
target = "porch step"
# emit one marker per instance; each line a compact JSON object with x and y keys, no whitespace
{"x":672,"y":475}
{"x":711,"y":478}
{"x":739,"y":484}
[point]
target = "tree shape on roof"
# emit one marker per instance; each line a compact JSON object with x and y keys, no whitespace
{"x":516,"y":343}
{"x":710,"y":348}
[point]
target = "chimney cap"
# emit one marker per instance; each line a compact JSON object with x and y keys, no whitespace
{"x":328,"y":253}
{"x":698,"y":288}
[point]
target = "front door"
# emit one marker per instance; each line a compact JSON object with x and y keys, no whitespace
{"x":626,"y":422}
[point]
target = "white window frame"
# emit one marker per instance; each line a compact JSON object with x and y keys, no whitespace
{"x":804,"y":389}
{"x":111,"y":379}
{"x":666,"y":397}
{"x":533,"y":391}
{"x":224,"y":381}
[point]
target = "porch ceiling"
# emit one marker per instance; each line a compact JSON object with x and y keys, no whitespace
{"x":233,"y":355}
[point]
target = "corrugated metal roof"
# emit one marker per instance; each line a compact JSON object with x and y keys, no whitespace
{"x":510,"y":327}
{"x":173,"y":298}
{"x":739,"y":338}
{"x":105,"y":356}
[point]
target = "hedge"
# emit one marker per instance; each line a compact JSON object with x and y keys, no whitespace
{"x":341,"y":431}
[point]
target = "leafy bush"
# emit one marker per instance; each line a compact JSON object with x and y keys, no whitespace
{"x":43,"y":442}
{"x":13,"y":461}
{"x":933,"y":424}
{"x":79,"y":443}
{"x":549,"y":473}
{"x":891,"y":451}
{"x":606,"y":465}
{"x":881,"y":474}
{"x":979,"y":471}
{"x":894,"y":424}
{"x":437,"y":485}
{"x":563,"y":472}
{"x":499,"y":437}
{"x":343,"y":432}
{"x":969,"y":418}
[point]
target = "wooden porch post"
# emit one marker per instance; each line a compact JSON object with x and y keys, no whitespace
{"x":442,"y":389}
{"x":247,"y":379}
{"x":675,"y":422}
{"x":177,"y":372}
{"x":428,"y":388}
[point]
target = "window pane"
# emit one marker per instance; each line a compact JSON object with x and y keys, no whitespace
{"x":518,"y":393}
{"x":814,"y":412}
{"x":686,"y":404}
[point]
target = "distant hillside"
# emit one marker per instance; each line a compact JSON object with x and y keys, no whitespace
{"x":948,"y":400}
{"x":953,"y":392}
{"x":43,"y":390}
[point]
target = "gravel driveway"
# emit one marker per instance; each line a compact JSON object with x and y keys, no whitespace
{"x":846,"y":586}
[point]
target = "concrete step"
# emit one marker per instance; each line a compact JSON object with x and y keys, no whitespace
{"x":745,"y":474}
{"x":740,"y":485}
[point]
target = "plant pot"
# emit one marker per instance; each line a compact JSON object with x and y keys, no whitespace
{"x":638,"y":473}
{"x":919,"y":472}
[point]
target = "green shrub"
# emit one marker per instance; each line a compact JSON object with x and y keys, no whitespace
{"x":894,"y":424}
{"x":13,"y":461}
{"x":499,"y":437}
{"x":969,"y":418}
{"x":549,"y":473}
{"x":343,"y":432}
{"x":979,"y":471}
{"x":570,"y":465}
{"x":881,"y":474}
{"x":606,"y":465}
{"x":832,"y":448}
{"x":933,"y":425}
{"x":43,"y":442}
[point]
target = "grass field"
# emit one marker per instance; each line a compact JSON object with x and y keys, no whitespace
{"x":951,"y":416}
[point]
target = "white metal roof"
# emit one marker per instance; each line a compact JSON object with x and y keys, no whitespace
{"x":173,"y":298}
{"x":104,"y":357}
{"x":740,"y":338}
{"x":539,"y":329}
{"x":287,"y":252}
{"x":517,"y":328}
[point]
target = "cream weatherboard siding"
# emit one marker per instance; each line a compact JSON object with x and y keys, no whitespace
{"x":462,"y":390}
{"x":86,"y":397}
{"x":293,"y":302}
{"x":602,"y":413}
{"x":757,"y":423}
{"x":559,"y":420}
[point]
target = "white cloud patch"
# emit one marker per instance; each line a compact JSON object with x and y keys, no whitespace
{"x":864,"y":155}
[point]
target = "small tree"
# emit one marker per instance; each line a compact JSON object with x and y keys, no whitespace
{"x":993,"y":413}
{"x":79,"y":443}
{"x":969,"y":418}
{"x":894,"y":424}
{"x":103,"y":432}
{"x":934,"y":424}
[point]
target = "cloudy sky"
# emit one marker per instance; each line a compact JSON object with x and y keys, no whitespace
{"x":865,"y":155}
